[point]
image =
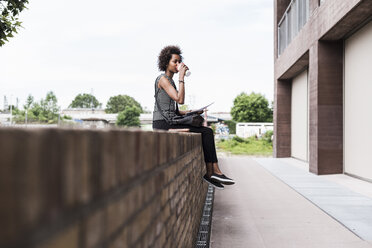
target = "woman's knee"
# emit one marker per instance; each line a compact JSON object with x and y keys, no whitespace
{"x":208,"y":131}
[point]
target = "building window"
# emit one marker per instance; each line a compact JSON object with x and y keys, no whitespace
{"x":291,"y":23}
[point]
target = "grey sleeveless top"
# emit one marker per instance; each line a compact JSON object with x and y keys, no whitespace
{"x":167,"y":104}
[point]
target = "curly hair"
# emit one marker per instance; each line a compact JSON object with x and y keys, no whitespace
{"x":166,"y":55}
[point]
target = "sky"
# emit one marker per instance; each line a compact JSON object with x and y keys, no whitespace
{"x":111,"y":47}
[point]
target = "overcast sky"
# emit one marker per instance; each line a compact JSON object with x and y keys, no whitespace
{"x":71,"y":47}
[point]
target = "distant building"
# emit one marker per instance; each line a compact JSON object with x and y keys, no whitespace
{"x":217,"y":117}
{"x":4,"y":119}
{"x":323,"y":75}
{"x":99,"y":118}
{"x":83,"y":111}
{"x":248,"y":129}
{"x":96,"y":118}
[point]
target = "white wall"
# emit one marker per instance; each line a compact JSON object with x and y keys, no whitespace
{"x":358,"y":103}
{"x":248,"y":129}
{"x":299,"y":124}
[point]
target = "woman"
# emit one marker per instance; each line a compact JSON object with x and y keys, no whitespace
{"x":167,"y":94}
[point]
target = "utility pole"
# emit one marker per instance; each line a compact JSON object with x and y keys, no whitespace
{"x":191,"y":101}
{"x":5,"y":104}
{"x":11,"y":110}
{"x":91,"y":98}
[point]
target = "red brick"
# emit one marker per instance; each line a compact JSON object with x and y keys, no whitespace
{"x":148,"y":150}
{"x":95,"y":149}
{"x":69,"y":168}
{"x":121,"y":241}
{"x":8,"y":206}
{"x":129,"y":153}
{"x":109,"y":148}
{"x":114,"y":217}
{"x":94,"y":228}
{"x":67,"y":238}
{"x":52,"y":155}
{"x":83,"y":167}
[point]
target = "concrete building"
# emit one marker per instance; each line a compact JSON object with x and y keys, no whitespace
{"x":323,"y":80}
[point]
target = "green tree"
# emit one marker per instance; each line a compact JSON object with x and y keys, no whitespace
{"x":29,"y":102}
{"x":251,"y":108}
{"x":119,"y":103}
{"x":35,"y":112}
{"x":129,"y":117}
{"x":9,"y":23}
{"x":45,"y":111}
{"x":85,"y":101}
{"x":49,"y":107}
{"x":15,"y":110}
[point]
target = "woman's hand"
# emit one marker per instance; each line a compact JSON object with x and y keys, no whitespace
{"x":199,"y":112}
{"x":183,"y":112}
{"x":182,"y":71}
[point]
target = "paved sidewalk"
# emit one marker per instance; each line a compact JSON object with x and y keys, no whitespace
{"x":262,"y":211}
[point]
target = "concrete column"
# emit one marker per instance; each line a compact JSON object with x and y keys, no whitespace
{"x":282,"y":119}
{"x":326,"y":107}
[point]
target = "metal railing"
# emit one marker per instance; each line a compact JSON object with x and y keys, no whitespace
{"x":294,"y":18}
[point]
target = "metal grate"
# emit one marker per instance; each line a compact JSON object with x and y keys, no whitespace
{"x":206,"y":220}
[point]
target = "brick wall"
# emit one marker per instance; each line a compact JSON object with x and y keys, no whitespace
{"x":87,"y":188}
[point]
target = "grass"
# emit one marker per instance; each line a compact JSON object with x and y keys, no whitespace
{"x":248,"y":146}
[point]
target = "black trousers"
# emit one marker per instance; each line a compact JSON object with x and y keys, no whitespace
{"x":209,"y":147}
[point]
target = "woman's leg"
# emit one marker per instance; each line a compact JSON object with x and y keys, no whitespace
{"x":209,"y":148}
{"x":216,"y":169}
{"x":209,"y":167}
{"x":212,"y":168}
{"x":160,"y":124}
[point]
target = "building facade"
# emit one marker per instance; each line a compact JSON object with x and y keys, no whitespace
{"x":323,"y":80}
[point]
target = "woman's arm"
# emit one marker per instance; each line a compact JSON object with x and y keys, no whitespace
{"x":183,"y":112}
{"x":171,"y":91}
{"x":179,"y":96}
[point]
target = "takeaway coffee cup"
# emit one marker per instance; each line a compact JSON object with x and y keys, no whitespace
{"x":188,"y":72}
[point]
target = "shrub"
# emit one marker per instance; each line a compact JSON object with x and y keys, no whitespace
{"x":249,"y":146}
{"x":129,"y":117}
{"x":213,"y":126}
{"x":232,"y":126}
{"x":267,"y":136}
{"x":238,"y":139}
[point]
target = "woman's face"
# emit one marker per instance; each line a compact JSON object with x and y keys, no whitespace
{"x":173,"y":63}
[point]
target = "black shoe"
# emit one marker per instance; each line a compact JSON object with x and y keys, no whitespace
{"x":215,"y":184}
{"x":222,"y":179}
